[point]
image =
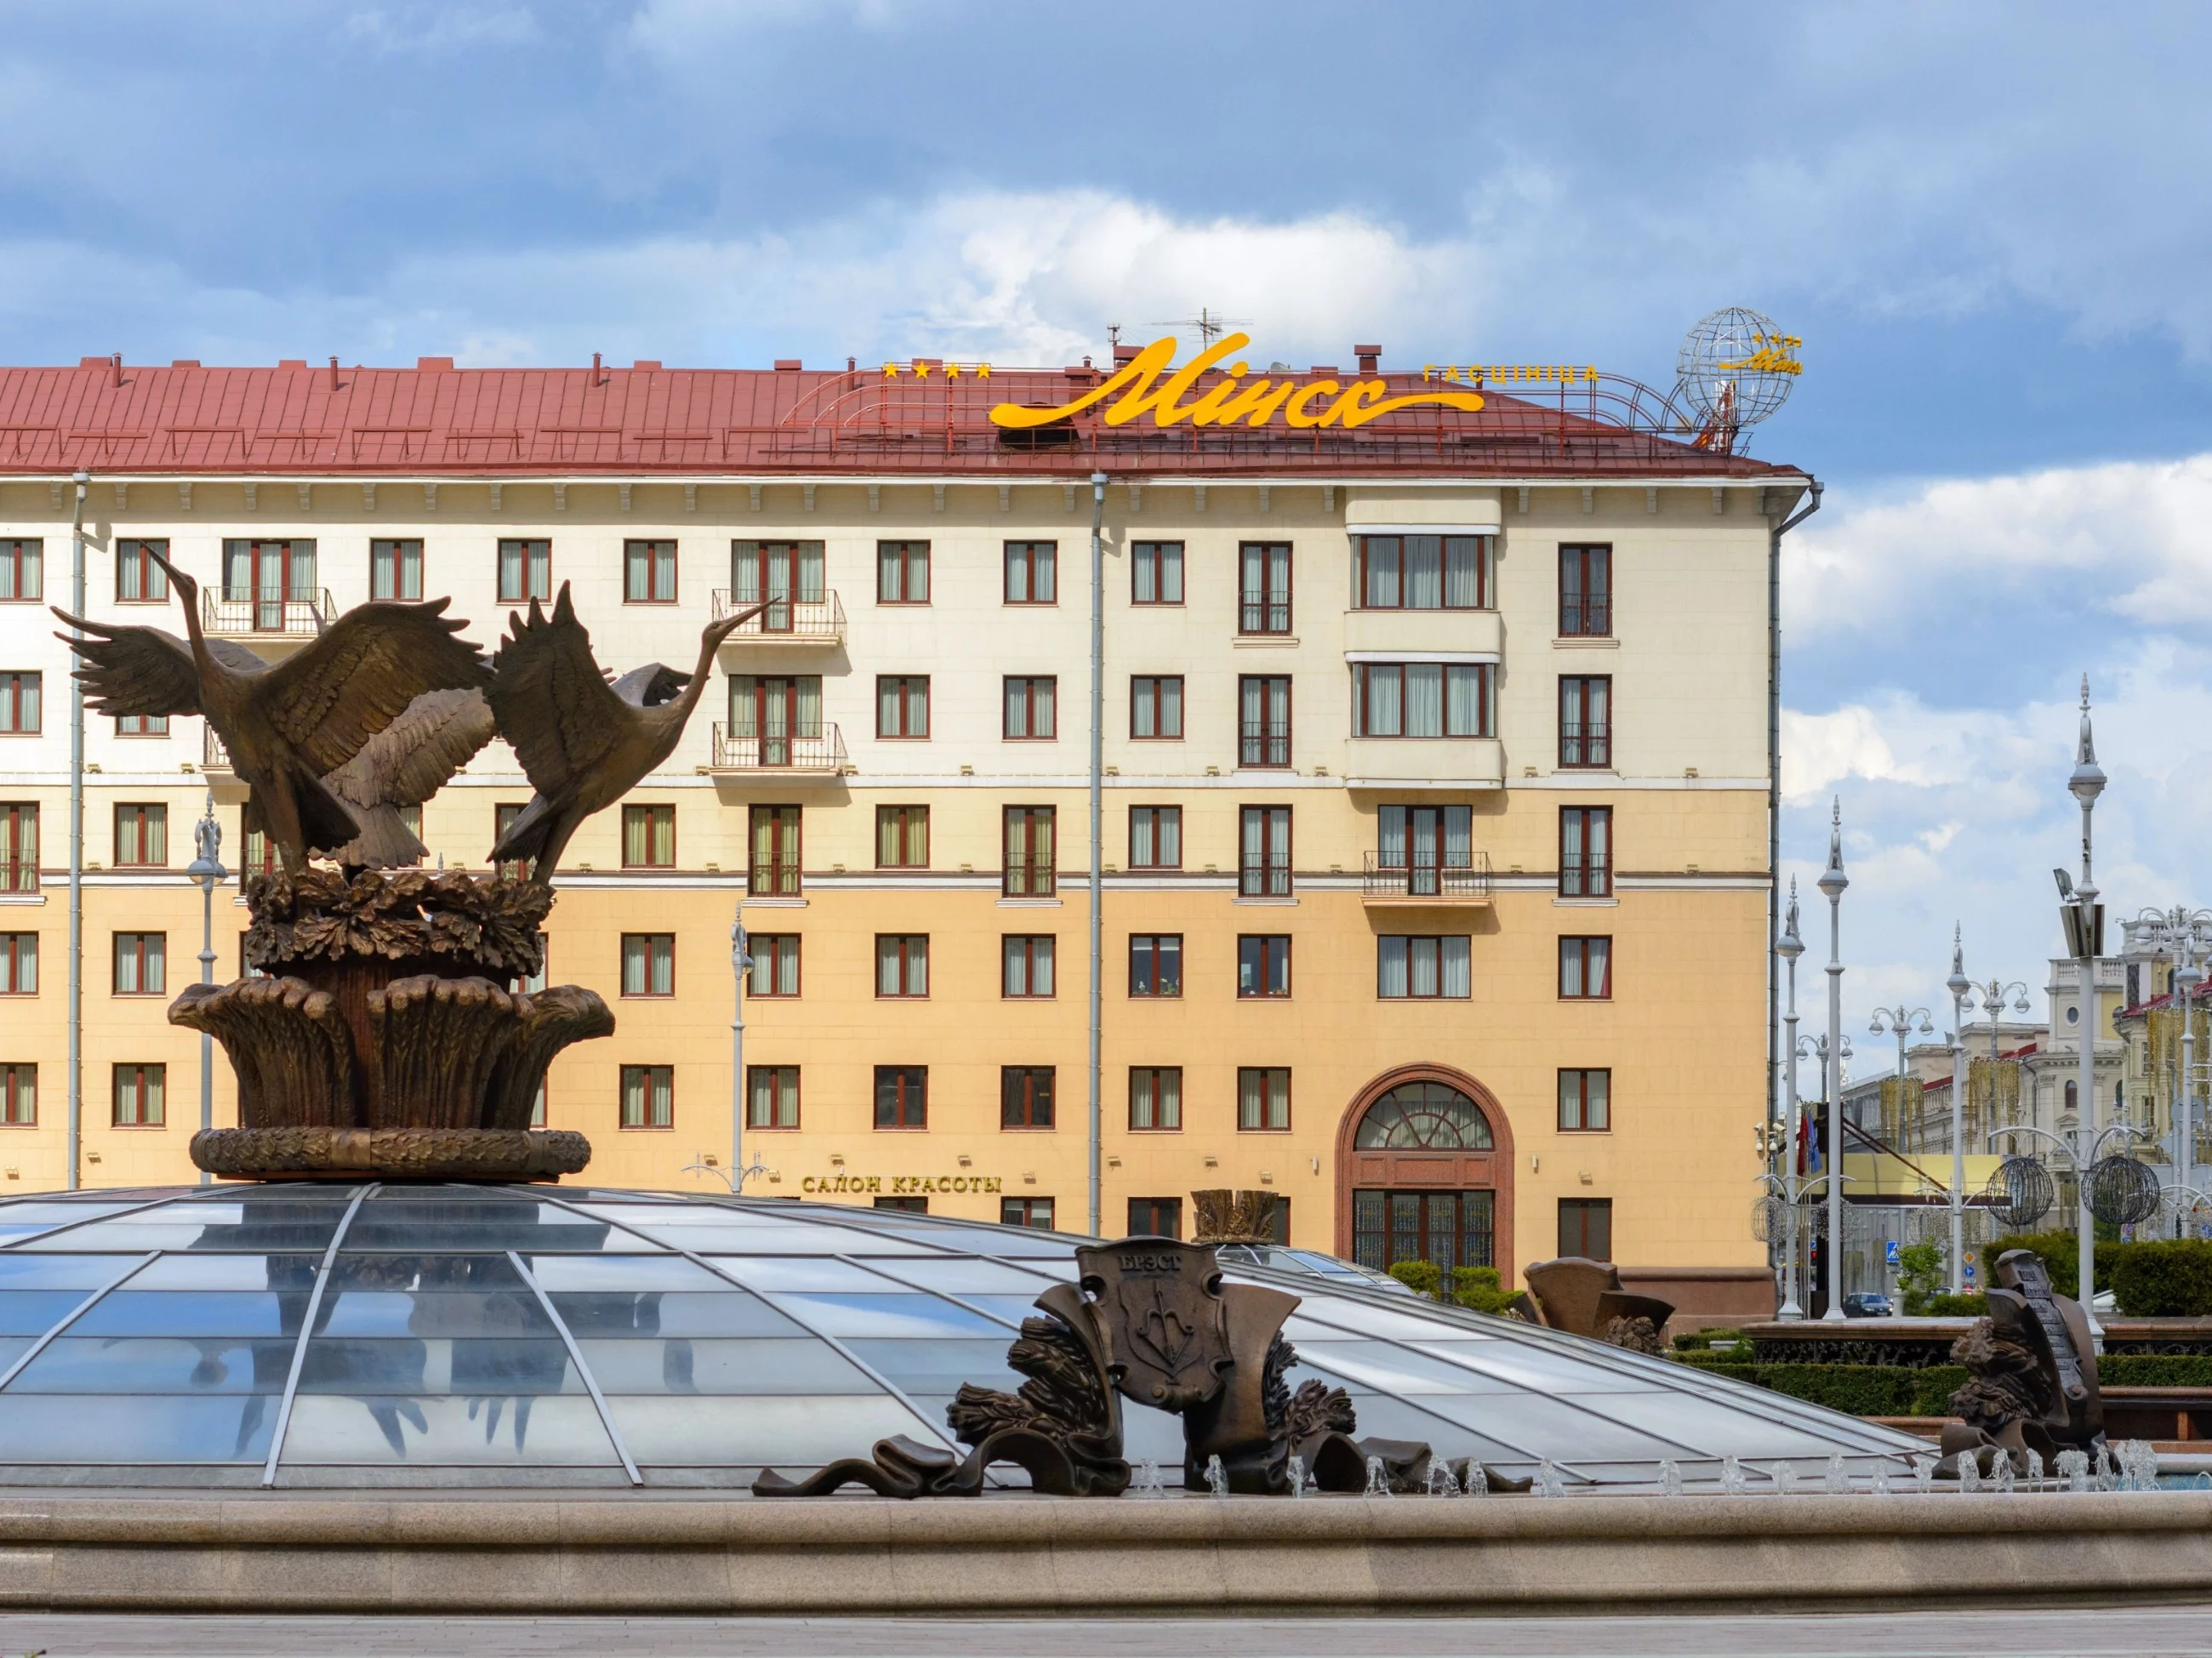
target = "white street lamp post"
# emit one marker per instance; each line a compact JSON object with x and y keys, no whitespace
{"x":1832,"y":883}
{"x":2085,"y":784}
{"x":741,"y":963}
{"x":1789,"y":947}
{"x":1960,"y":987}
{"x":207,"y":869}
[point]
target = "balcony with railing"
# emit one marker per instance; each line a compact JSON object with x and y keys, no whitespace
{"x":1265,"y":745}
{"x":817,"y":623}
{"x":1453,"y":879}
{"x":297,"y":617}
{"x":818,"y":755}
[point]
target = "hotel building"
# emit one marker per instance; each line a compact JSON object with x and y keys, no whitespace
{"x":1435,"y":782}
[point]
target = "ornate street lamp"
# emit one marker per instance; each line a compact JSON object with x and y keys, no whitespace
{"x":1789,"y":947}
{"x":1832,"y":883}
{"x":2083,"y":918}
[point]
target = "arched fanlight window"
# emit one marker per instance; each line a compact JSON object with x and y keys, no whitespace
{"x":1424,"y":1117}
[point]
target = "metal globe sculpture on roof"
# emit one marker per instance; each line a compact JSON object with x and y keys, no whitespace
{"x":1736,"y":367}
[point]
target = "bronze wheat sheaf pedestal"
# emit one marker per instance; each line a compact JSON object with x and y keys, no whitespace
{"x":384,"y":1039}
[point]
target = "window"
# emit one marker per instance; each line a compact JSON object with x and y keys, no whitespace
{"x":18,"y":703}
{"x":1264,"y":706}
{"x":785,"y":574}
{"x":1421,"y":969}
{"x":775,"y":836}
{"x":141,"y":963}
{"x":1422,"y":699}
{"x":771,"y":1096}
{"x":1025,"y":965}
{"x":1586,"y":969}
{"x":1155,"y":1218}
{"x":902,"y":964}
{"x":1263,"y":964}
{"x":649,"y":572}
{"x":1155,"y":1098}
{"x":1263,"y":1098}
{"x":138,"y":580}
{"x":901,"y":837}
{"x":648,"y":838}
{"x":903,"y":705}
{"x":18,"y":845}
{"x":1024,"y":1096}
{"x":905,"y":1205}
{"x":18,"y":1095}
{"x":538,"y":1106}
{"x":1155,"y":705}
{"x":142,"y":836}
{"x":649,"y":1095}
{"x":505,"y":815}
{"x":395,"y":570}
{"x":531,"y":984}
{"x":1586,"y":720}
{"x":1155,"y":837}
{"x":139,"y":1096}
{"x":525,"y":571}
{"x":1156,"y":573}
{"x":1030,"y":708}
{"x":262,"y":580}
{"x":1026,"y":1212}
{"x":775,"y":964}
{"x":1424,"y":572}
{"x":1030,"y":578}
{"x":1423,"y":1116}
{"x":1155,"y":964}
{"x":902,"y":1096}
{"x":1585,"y":852}
{"x":1263,"y":856}
{"x":20,"y":576}
{"x":1585,"y":1102}
{"x":772,"y":716}
{"x":1586,"y":1227}
{"x":1030,"y":872}
{"x":2073,"y":1095}
{"x":1452,"y":1228}
{"x":19,"y":963}
{"x":1585,"y":593}
{"x":902,"y":573}
{"x":1422,"y":845}
{"x":1264,"y":590}
{"x":141,"y":725}
{"x":648,"y":964}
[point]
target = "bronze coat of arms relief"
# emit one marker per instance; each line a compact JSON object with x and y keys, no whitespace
{"x":1158,"y":1306}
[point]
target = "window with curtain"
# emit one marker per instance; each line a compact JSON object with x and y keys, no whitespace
{"x":1155,"y":705}
{"x":902,"y":1096}
{"x":776,"y":965}
{"x":1422,"y":699}
{"x":1586,"y":1227}
{"x":648,"y":964}
{"x":902,"y":964}
{"x":1155,"y":964}
{"x":21,"y":568}
{"x":525,"y":571}
{"x":1263,"y":861}
{"x":19,"y":963}
{"x":1264,"y":588}
{"x":784,"y":575}
{"x":1264,"y":722}
{"x":1586,"y":968}
{"x":901,"y":837}
{"x":18,"y":1095}
{"x":772,"y":710}
{"x":648,"y":1097}
{"x":1030,"y":712}
{"x":1425,"y":839}
{"x":1585,"y":1102}
{"x":1156,"y":1099}
{"x":142,"y":964}
{"x":1156,"y":573}
{"x":19,"y":844}
{"x":141,"y":1095}
{"x":1263,"y":965}
{"x":138,"y":580}
{"x":268,"y":575}
{"x":1418,"y":967}
{"x":1029,"y":871}
{"x":395,"y":570}
{"x":142,"y":836}
{"x":20,"y":701}
{"x":1586,"y":720}
{"x":1031,"y":573}
{"x":1586,"y":852}
{"x":775,"y":851}
{"x":771,"y":1096}
{"x":1586,"y":592}
{"x":1033,"y":1212}
{"x":902,"y":705}
{"x":1263,"y":1098}
{"x":1025,"y":964}
{"x":1423,"y":573}
{"x":1155,"y":1218}
{"x":1155,"y":837}
{"x":1025,"y":1097}
{"x":141,"y":725}
{"x":902,"y":573}
{"x":648,"y":571}
{"x":648,"y":838}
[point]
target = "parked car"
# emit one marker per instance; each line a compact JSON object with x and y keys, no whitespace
{"x":1868,"y":1306}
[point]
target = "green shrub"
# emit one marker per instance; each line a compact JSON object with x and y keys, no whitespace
{"x":1854,"y":1389}
{"x":1421,"y":1277}
{"x":1694,"y":1341}
{"x":2164,"y":1280}
{"x":1480,"y":1288}
{"x":1919,"y":1275}
{"x":2154,"y":1370}
{"x":2056,"y":1249}
{"x":1973,"y":1306}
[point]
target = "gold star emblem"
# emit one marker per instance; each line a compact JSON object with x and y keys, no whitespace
{"x":891,"y":371}
{"x":952,"y":371}
{"x":920,"y":369}
{"x":982,"y":371}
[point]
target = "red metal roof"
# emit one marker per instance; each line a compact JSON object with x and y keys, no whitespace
{"x":646,"y":420}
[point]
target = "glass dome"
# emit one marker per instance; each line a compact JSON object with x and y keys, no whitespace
{"x":306,"y":1335}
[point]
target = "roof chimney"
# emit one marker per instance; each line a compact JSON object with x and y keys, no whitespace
{"x":1124,"y":354}
{"x":595,"y":368}
{"x":429,"y":365}
{"x":1369,"y":355}
{"x":115,"y":369}
{"x":334,"y":374}
{"x":787,"y":365}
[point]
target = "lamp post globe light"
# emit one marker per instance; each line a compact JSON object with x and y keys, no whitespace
{"x":2181,"y":934}
{"x":1832,"y":883}
{"x":2083,"y":917}
{"x":1789,"y":947}
{"x":206,"y":868}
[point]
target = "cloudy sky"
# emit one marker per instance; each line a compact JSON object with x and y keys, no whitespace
{"x":1989,"y":223}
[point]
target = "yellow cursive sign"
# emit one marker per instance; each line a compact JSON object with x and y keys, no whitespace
{"x":1772,"y":356}
{"x":1231,"y":399}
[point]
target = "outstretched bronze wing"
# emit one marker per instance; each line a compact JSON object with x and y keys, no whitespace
{"x":145,"y":670}
{"x":554,"y":704}
{"x":360,"y":675}
{"x":403,"y":765}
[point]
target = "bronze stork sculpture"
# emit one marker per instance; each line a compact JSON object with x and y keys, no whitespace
{"x":584,"y":743}
{"x":288,"y":724}
{"x":403,"y":765}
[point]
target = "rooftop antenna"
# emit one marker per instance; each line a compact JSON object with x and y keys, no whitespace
{"x":1208,"y":325}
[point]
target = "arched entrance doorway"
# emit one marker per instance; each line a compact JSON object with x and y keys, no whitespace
{"x":1424,"y":1172}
